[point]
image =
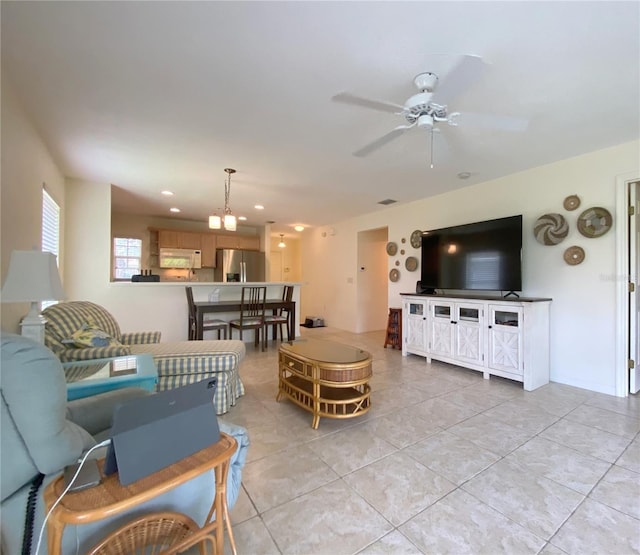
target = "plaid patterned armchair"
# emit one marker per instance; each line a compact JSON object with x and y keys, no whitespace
{"x":72,"y":325}
{"x":66,"y":320}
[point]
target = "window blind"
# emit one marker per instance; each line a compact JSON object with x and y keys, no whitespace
{"x":50,"y":230}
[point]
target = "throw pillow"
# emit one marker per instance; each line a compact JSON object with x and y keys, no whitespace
{"x":89,"y":335}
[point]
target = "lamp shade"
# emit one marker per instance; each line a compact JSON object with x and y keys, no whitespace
{"x":33,"y":276}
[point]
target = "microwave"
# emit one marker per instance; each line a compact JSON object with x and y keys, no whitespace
{"x":180,"y":258}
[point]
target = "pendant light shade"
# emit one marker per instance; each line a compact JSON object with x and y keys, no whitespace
{"x":215,"y":222}
{"x":228,"y":220}
{"x":282,"y":244}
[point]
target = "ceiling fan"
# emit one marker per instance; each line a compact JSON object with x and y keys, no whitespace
{"x":428,"y":108}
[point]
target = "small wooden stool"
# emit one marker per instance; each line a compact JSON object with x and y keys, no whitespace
{"x":394,"y":329}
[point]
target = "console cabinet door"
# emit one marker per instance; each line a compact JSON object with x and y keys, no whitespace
{"x":441,"y":328}
{"x":415,"y":327}
{"x":468,"y":331}
{"x":505,"y":331}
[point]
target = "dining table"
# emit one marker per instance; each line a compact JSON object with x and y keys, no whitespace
{"x":206,"y":307}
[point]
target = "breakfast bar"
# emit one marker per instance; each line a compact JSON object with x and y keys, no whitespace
{"x":163,"y":306}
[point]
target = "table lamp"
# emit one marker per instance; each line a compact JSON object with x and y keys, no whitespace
{"x":33,"y":277}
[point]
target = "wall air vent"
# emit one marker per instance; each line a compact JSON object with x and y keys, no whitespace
{"x":387,"y":201}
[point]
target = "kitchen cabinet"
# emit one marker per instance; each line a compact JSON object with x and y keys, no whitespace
{"x":174,"y":239}
{"x":497,"y":336}
{"x":208,"y":248}
{"x":244,"y":242}
{"x":205,"y":242}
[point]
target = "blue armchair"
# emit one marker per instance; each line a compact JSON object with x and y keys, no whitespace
{"x":41,"y":433}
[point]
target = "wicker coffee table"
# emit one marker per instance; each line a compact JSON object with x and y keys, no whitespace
{"x":327,"y":379}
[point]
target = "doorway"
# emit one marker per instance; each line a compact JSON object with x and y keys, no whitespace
{"x":372,"y":291}
{"x":276,"y":272}
{"x":628,"y":286}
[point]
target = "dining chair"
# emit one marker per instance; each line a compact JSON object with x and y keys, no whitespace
{"x":251,"y":313}
{"x":208,"y":324}
{"x":280,"y":316}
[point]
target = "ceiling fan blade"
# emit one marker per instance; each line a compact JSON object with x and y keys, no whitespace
{"x":347,"y":98}
{"x":468,"y":70}
{"x":492,"y":121}
{"x":364,"y":151}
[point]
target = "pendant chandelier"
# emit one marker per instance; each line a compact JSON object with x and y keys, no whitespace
{"x":282,"y":244}
{"x":228,"y":220}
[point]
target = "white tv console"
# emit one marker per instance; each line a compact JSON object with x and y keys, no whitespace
{"x":499,"y":336}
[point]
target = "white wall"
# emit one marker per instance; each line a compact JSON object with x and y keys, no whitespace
{"x":583,"y":312}
{"x":26,"y":166}
{"x":88,"y":243}
{"x":290,"y":269}
{"x":329,"y":272}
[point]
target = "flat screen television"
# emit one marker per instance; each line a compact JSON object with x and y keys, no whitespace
{"x":483,"y":256}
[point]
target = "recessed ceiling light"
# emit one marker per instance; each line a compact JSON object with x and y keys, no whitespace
{"x":167,"y":193}
{"x":242,"y":218}
{"x":259,"y":207}
{"x":174,"y":209}
{"x":464,"y":175}
{"x":299,"y":228}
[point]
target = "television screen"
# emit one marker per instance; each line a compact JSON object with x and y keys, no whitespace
{"x":482,"y":256}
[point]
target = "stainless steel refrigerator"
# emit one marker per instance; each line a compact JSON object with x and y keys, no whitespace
{"x":239,"y":265}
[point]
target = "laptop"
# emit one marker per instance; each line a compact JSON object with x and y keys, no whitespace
{"x":153,"y":432}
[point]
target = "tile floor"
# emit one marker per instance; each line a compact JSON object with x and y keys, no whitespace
{"x":444,"y":462}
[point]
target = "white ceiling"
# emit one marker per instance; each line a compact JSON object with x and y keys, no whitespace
{"x":165,"y":95}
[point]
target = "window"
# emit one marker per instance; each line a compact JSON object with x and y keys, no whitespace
{"x":127,"y":257}
{"x":50,"y":231}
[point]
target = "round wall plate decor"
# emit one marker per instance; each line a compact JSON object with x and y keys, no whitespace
{"x":594,"y":222}
{"x":574,"y":255}
{"x":571,"y":202}
{"x":411,"y":263}
{"x":550,"y":229}
{"x":394,"y":275}
{"x":392,"y":248}
{"x":416,"y":239}
{"x":397,"y":263}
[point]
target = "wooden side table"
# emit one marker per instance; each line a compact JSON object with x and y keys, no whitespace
{"x":394,"y":329}
{"x":111,"y":498}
